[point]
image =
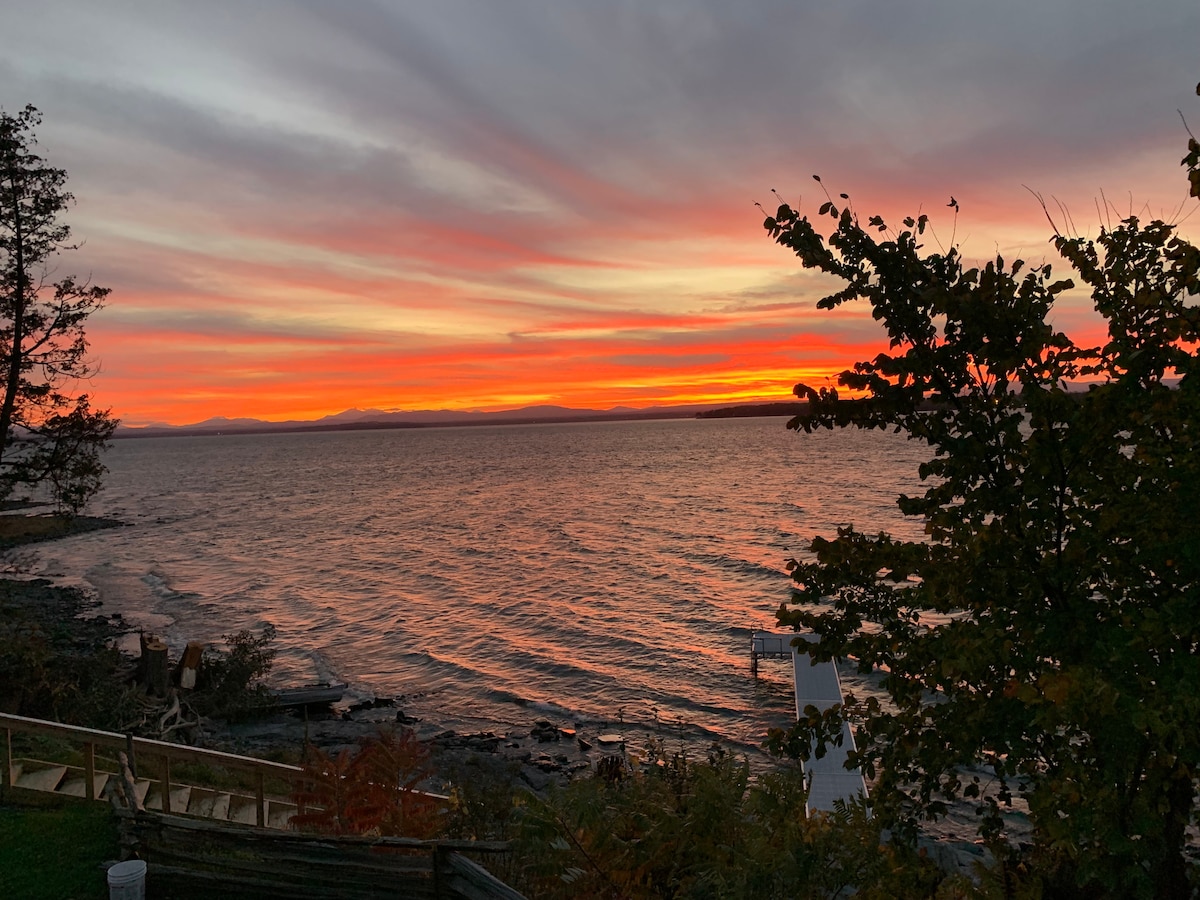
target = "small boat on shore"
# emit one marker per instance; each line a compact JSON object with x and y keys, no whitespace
{"x":309,"y":695}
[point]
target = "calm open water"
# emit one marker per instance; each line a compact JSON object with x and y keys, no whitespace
{"x":594,"y":572}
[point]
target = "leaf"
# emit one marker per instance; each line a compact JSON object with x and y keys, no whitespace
{"x":1047,"y":626}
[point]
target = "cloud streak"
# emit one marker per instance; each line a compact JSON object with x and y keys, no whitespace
{"x":303,"y":206}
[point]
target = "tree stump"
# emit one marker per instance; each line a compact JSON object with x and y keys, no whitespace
{"x":189,"y":666}
{"x":154,"y":659}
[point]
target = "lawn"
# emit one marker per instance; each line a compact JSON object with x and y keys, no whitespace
{"x":53,"y":847}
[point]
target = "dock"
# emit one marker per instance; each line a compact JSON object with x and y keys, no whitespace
{"x":816,"y":684}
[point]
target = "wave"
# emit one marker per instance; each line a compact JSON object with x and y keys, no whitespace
{"x":604,"y":572}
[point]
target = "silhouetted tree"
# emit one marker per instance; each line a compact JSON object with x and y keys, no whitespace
{"x":49,"y":434}
{"x":1045,"y":640}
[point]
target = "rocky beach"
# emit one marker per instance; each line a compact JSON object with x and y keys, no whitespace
{"x":74,"y":624}
{"x":533,"y":756}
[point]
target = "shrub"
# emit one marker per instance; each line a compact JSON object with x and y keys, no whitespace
{"x":230,"y":685}
{"x":371,"y":789}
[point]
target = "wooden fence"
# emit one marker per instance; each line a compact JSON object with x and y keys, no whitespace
{"x":194,"y":857}
{"x":189,"y":858}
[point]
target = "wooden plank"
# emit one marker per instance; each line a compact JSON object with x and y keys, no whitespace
{"x":296,"y":871}
{"x":180,"y":752}
{"x":280,"y":813}
{"x":239,"y":861}
{"x":304,"y":867}
{"x":180,"y":795}
{"x":43,"y":779}
{"x":166,"y":784}
{"x":89,"y":771}
{"x":200,"y":803}
{"x":244,"y":810}
{"x":74,"y":787}
{"x":260,"y":805}
{"x":177,"y":799}
{"x":473,"y":882}
{"x":203,"y":826}
{"x":190,"y":883}
{"x":220,"y":807}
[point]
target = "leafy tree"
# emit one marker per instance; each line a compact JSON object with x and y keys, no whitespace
{"x":48,"y":433}
{"x":1049,"y":628}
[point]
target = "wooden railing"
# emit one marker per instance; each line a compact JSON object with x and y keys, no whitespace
{"x":243,"y":861}
{"x":141,"y":749}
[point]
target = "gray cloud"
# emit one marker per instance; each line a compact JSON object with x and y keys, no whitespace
{"x":493,"y":145}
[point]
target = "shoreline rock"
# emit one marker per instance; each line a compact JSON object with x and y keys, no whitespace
{"x":534,"y":757}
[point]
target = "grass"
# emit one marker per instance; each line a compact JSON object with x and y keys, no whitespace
{"x":51,"y":848}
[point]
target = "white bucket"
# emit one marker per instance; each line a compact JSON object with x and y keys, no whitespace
{"x":127,"y":880}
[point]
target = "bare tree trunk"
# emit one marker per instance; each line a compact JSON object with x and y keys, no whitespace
{"x":1171,"y":874}
{"x":21,"y":288}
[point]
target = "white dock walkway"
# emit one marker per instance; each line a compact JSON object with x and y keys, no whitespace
{"x":815,"y":685}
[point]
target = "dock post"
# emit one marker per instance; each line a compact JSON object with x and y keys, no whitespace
{"x":89,"y":770}
{"x":7,"y":781}
{"x":260,"y":799}
{"x":166,"y":784}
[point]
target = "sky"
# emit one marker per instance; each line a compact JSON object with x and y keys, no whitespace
{"x":307,"y":206}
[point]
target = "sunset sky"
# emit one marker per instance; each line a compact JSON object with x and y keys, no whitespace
{"x":303,"y":207}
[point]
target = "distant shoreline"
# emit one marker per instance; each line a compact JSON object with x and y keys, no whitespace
{"x":760,"y":410}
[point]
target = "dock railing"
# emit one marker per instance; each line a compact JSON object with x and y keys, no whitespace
{"x":815,"y":684}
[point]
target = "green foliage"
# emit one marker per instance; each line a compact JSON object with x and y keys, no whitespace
{"x":372,"y":789}
{"x":705,"y":830}
{"x":48,"y":434}
{"x":51,"y":848}
{"x":1049,"y":627}
{"x":45,"y":675}
{"x":230,"y":685}
{"x":484,"y":806}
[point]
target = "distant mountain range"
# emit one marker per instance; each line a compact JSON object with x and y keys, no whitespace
{"x":363,"y":419}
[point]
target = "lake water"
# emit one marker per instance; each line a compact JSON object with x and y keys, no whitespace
{"x":598,"y":573}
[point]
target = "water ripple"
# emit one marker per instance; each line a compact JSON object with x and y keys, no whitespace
{"x":596,"y":571}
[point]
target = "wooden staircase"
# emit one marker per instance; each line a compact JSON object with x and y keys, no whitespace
{"x":184,"y":800}
{"x":205,"y":840}
{"x":97,"y":779}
